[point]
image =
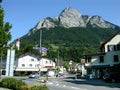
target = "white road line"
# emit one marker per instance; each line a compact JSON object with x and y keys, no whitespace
{"x":65,"y":86}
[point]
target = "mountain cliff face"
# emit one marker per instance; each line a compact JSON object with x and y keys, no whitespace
{"x":70,"y":17}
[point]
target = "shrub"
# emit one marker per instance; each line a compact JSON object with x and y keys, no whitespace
{"x":15,"y":84}
{"x":24,"y":87}
{"x":39,"y":88}
{"x":11,"y":83}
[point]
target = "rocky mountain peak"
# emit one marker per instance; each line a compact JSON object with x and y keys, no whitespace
{"x":45,"y":23}
{"x":70,"y":17}
{"x":97,"y":21}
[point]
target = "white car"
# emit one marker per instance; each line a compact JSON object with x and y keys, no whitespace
{"x":34,"y":75}
{"x":50,"y":73}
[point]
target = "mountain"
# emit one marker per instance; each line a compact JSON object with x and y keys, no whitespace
{"x":70,"y":17}
{"x":72,"y":33}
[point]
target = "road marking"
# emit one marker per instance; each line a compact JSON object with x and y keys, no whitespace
{"x":57,"y":84}
{"x":78,"y":88}
{"x":50,"y":83}
{"x":75,"y":88}
{"x":65,"y":86}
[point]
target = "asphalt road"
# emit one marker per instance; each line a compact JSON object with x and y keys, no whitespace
{"x":80,"y":84}
{"x":69,"y":83}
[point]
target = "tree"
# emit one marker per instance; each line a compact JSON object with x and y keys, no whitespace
{"x":5,"y":35}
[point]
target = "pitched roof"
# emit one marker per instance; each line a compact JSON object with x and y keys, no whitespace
{"x":111,"y":37}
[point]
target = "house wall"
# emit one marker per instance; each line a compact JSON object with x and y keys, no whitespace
{"x":26,"y":63}
{"x":113,"y":41}
{"x":46,"y":62}
{"x":109,"y":57}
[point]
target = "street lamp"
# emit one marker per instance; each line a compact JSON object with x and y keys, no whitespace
{"x":40,"y":50}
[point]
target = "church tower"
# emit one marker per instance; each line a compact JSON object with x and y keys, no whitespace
{"x":18,"y":44}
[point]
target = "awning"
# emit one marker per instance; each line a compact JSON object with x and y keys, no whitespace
{"x":100,"y":66}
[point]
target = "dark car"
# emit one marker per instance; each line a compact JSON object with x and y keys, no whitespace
{"x":60,"y":75}
{"x":112,"y":77}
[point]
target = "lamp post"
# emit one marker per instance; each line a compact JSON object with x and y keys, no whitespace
{"x":40,"y":51}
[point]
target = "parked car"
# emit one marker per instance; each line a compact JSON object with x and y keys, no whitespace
{"x":34,"y":75}
{"x":112,"y":77}
{"x":50,"y":73}
{"x":60,"y":75}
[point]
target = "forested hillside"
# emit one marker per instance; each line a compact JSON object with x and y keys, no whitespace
{"x":72,"y":43}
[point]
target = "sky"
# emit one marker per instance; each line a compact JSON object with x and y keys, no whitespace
{"x":25,"y":14}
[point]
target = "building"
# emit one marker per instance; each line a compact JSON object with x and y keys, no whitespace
{"x":27,"y":63}
{"x":32,"y":63}
{"x":108,"y":59}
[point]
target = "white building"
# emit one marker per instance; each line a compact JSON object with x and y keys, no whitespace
{"x":31,"y":63}
{"x":107,"y":59}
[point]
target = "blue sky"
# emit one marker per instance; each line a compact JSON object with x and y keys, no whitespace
{"x":25,"y":14}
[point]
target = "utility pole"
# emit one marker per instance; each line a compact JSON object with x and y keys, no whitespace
{"x":40,"y":50}
{"x":58,"y":59}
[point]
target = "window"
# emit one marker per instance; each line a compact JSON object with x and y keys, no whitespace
{"x":36,"y":65}
{"x":116,"y":59}
{"x":50,"y":61}
{"x":88,"y":59}
{"x":101,"y":59}
{"x":30,"y":65}
{"x":32,"y":59}
{"x":114,"y":47}
{"x":118,"y":46}
{"x":23,"y":65}
{"x":110,"y":47}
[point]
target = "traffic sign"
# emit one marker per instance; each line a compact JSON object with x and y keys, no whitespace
{"x":42,"y":48}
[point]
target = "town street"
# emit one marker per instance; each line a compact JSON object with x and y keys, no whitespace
{"x":81,"y":84}
{"x":68,"y":83}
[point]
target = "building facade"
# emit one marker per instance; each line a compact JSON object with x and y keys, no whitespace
{"x":30,"y":63}
{"x":108,"y":59}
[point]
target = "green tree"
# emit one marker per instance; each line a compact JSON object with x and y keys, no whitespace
{"x":5,"y":35}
